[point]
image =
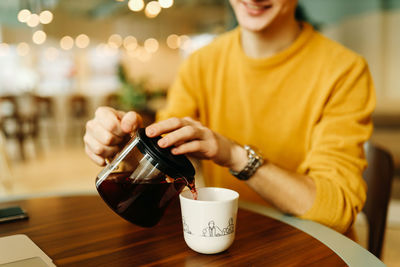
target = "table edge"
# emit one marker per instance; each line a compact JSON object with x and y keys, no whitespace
{"x":348,"y":250}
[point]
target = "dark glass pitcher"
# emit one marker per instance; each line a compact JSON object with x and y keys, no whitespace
{"x":143,"y":179}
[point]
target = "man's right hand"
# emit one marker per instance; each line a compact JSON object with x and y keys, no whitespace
{"x":106,"y":132}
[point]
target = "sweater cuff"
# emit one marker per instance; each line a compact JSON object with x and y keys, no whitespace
{"x":324,"y":209}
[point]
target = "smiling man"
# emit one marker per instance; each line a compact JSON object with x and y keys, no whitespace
{"x":276,"y":111}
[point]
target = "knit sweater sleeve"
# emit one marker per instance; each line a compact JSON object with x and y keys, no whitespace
{"x":335,"y":158}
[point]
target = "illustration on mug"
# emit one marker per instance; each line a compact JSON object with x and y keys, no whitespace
{"x":186,"y":227}
{"x":213,"y":230}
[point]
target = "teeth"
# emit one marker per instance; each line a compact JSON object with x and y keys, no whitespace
{"x":254,"y":6}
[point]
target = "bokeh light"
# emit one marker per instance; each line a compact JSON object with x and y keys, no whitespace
{"x":33,"y":20}
{"x":153,"y":8}
{"x":66,"y":42}
{"x":4,"y":48}
{"x":130,"y":43}
{"x":185,"y":42}
{"x":45,"y":17}
{"x":136,"y":5}
{"x":141,"y":54}
{"x":39,"y":37}
{"x":82,"y":41}
{"x":151,"y":45}
{"x":51,"y":53}
{"x":23,"y":49}
{"x":173,"y":41}
{"x":115,"y":41}
{"x":24,"y":15}
{"x":166,"y":3}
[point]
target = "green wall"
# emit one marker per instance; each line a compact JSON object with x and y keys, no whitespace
{"x":331,"y":11}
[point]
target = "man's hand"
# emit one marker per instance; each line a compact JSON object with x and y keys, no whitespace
{"x":187,"y":136}
{"x":106,"y":131}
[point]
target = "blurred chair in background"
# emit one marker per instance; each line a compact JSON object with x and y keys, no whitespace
{"x":113,"y":100}
{"x":44,"y":109}
{"x":17,"y":125}
{"x":44,"y":106}
{"x":378,"y":176}
{"x":5,"y":169}
{"x":78,"y":110}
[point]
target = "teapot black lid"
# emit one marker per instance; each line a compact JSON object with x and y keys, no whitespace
{"x":175,"y":166}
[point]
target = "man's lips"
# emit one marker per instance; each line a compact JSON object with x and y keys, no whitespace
{"x":256,"y":8}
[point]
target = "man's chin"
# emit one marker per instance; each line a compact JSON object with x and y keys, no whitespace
{"x":255,"y":27}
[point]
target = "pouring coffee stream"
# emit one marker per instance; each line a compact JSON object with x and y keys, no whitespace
{"x":143,"y":179}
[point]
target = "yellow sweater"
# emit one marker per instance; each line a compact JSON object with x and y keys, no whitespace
{"x":306,"y":108}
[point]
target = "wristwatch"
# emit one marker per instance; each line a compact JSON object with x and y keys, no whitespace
{"x":255,"y":160}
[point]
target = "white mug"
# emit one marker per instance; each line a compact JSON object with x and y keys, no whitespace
{"x":209,"y":223}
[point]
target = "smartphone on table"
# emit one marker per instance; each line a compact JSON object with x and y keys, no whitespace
{"x":13,"y":213}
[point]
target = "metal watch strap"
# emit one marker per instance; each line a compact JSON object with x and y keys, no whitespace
{"x":255,"y":160}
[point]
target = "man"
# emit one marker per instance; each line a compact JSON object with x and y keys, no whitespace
{"x":272,"y":85}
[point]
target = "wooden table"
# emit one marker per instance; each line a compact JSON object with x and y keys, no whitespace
{"x":83,"y":231}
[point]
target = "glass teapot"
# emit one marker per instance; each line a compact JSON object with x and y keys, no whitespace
{"x":143,"y":179}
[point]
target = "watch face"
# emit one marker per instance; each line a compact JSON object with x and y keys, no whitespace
{"x":255,"y":160}
{"x":255,"y":151}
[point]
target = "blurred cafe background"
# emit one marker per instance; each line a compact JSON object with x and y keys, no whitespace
{"x":60,"y":59}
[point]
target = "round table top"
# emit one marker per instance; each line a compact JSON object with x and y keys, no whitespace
{"x":84,"y":231}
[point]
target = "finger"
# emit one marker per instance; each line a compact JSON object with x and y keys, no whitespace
{"x":99,"y":149}
{"x":95,"y":158}
{"x":180,"y":136}
{"x":120,"y":114}
{"x":189,"y":147}
{"x":131,"y":121}
{"x":165,"y":126}
{"x":102,"y":135}
{"x":109,"y":119}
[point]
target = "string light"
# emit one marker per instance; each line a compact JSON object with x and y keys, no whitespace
{"x":23,"y":49}
{"x":152,"y":10}
{"x":151,"y":45}
{"x":45,"y":17}
{"x":23,"y":15}
{"x":33,"y":20}
{"x":136,"y":5}
{"x":39,"y":37}
{"x":82,"y":41}
{"x":166,"y":3}
{"x":66,"y":42}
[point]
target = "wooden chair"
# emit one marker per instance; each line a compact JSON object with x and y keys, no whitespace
{"x":378,"y":176}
